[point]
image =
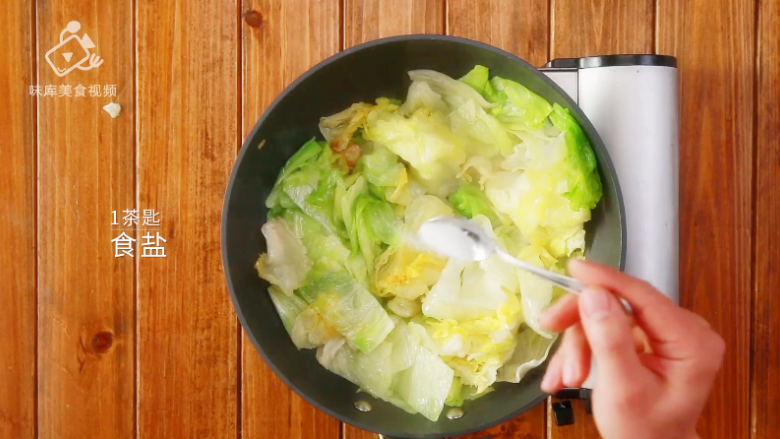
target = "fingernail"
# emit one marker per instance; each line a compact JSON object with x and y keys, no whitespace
{"x":595,"y":303}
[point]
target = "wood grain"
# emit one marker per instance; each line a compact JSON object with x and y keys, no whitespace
{"x":86,"y":309}
{"x":17,"y":196}
{"x":584,"y":426}
{"x":188,"y":131}
{"x":601,"y":27}
{"x":275,"y":53}
{"x":517,"y":26}
{"x":583,"y":28}
{"x":717,"y":75}
{"x":766,"y":303}
{"x":530,"y":425}
{"x":520,"y":27}
{"x":366,"y":20}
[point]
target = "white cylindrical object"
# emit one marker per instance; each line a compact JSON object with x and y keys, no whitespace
{"x":634,"y":109}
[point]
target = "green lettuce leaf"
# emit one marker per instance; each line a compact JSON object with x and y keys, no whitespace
{"x":346,"y":305}
{"x":583,"y":176}
{"x":288,"y":307}
{"x":375,"y":224}
{"x":519,"y":108}
{"x":479,"y":79}
{"x":469,"y":201}
{"x":382,"y":168}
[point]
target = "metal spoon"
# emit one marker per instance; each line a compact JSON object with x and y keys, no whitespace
{"x":461,"y":239}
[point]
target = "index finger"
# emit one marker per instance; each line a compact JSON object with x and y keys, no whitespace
{"x":666,"y":325}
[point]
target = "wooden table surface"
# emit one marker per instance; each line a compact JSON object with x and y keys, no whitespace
{"x":95,"y":346}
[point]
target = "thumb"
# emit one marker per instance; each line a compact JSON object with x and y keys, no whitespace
{"x":608,"y":331}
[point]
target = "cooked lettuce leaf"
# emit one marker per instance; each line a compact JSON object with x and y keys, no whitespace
{"x":310,"y":330}
{"x":343,"y":125}
{"x":375,"y":224}
{"x":454,"y":92}
{"x":308,"y":153}
{"x":464,"y":291}
{"x":425,"y":141}
{"x":479,"y":79}
{"x":382,"y":168}
{"x":425,"y":384}
{"x":288,"y":307}
{"x":421,"y":95}
{"x":469,"y":201}
{"x":536,"y":294}
{"x":286,"y":264}
{"x":531,"y":351}
{"x":319,"y":243}
{"x":423,"y":209}
{"x":399,"y":370}
{"x":372,"y":371}
{"x":404,"y":307}
{"x":346,"y":305}
{"x":519,"y":108}
{"x":483,"y":133}
{"x":405,"y":272}
{"x":584,"y":189}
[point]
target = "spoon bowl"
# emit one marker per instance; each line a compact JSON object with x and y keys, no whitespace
{"x":466,"y":240}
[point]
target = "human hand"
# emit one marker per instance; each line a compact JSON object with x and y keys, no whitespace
{"x":655,"y":367}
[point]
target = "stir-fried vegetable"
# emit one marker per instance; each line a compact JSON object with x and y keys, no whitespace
{"x":350,"y":279}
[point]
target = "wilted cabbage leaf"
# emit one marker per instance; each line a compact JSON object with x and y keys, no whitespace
{"x":346,"y":305}
{"x":286,"y":264}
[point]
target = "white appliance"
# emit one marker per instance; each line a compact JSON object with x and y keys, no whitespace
{"x":632,"y":101}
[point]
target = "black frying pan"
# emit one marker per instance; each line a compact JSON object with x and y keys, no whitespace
{"x":363,"y":73}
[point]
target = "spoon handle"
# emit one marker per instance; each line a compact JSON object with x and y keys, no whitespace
{"x":567,"y":283}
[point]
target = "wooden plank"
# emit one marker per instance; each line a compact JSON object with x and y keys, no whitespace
{"x":280,"y":41}
{"x":766,"y":303}
{"x":717,"y":66}
{"x":17,"y":196}
{"x":85,"y":302}
{"x":594,"y":28}
{"x":601,"y":27}
{"x":188,"y":132}
{"x":366,"y":20}
{"x":520,"y":27}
